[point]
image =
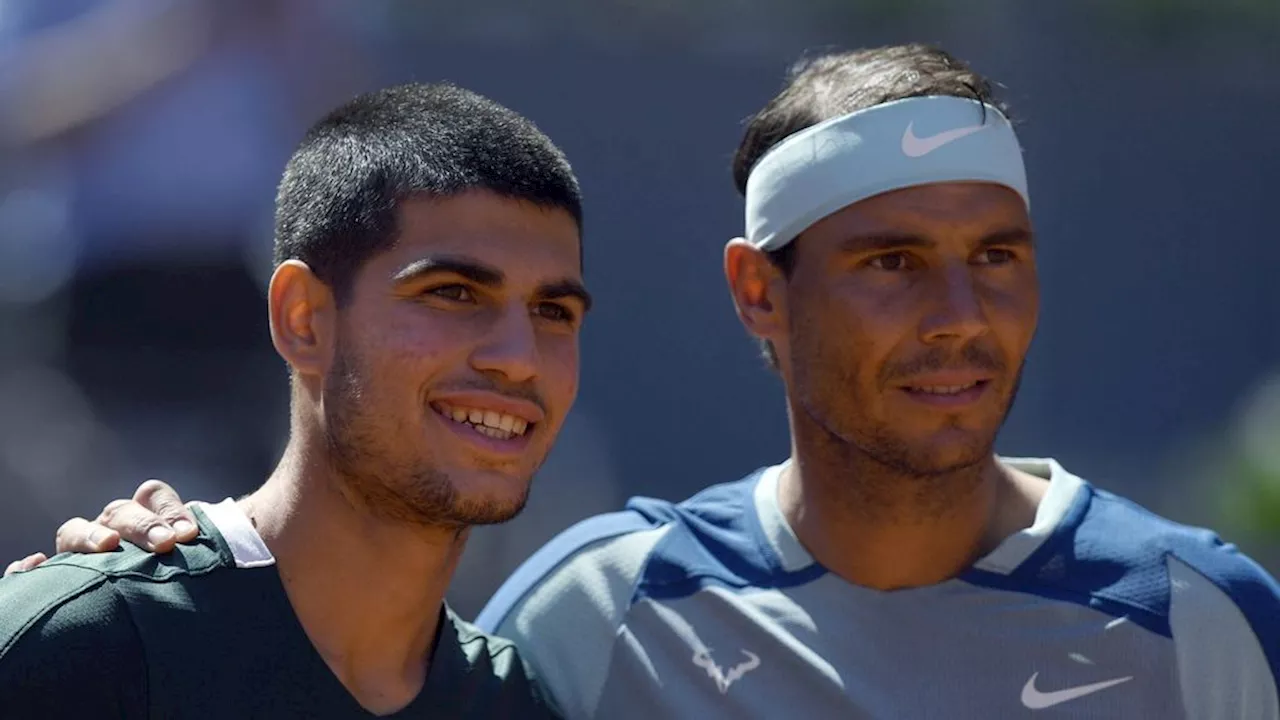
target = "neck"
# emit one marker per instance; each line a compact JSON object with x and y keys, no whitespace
{"x":878,"y":527}
{"x":367,"y":590}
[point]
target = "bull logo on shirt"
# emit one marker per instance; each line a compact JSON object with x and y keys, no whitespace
{"x":723,"y":679}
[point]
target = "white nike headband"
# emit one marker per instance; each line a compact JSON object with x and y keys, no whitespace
{"x":899,"y":144}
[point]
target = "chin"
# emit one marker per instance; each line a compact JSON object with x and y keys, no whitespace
{"x":953,"y":451}
{"x":487,"y":498}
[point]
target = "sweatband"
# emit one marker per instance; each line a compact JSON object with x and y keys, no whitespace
{"x":899,"y":144}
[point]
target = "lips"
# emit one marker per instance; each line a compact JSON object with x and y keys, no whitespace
{"x":488,"y":422}
{"x":944,"y":389}
{"x":948,"y":389}
{"x":502,"y":420}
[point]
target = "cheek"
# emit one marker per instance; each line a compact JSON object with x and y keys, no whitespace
{"x":414,"y":346}
{"x":857,"y":325}
{"x":558,"y":371}
{"x":1014,"y":313}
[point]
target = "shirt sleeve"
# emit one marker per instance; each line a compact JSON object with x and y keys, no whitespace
{"x":565,"y":605}
{"x":1225,"y":620}
{"x":68,"y":647}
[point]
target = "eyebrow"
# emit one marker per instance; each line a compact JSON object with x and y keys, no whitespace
{"x":1012,"y":236}
{"x":892,"y":240}
{"x":468,"y":268}
{"x":488,"y":276}
{"x":566,"y":288}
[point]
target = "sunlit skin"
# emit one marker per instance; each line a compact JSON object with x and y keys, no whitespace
{"x":472,"y":309}
{"x":478,"y":304}
{"x":925,"y":288}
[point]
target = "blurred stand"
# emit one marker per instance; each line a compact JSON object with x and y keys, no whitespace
{"x":142,"y":141}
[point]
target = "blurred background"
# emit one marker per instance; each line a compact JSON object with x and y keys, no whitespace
{"x":141,"y":141}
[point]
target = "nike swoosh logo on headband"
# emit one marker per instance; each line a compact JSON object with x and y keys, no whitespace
{"x":913,"y":146}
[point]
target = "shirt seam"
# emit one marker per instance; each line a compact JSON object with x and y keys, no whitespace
{"x":85,"y":587}
{"x":630,"y":602}
{"x":142,"y":647}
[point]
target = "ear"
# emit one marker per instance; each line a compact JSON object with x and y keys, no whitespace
{"x":303,"y":318}
{"x":758,"y":288}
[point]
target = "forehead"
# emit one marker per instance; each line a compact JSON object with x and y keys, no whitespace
{"x":525,"y":242}
{"x":929,"y":209}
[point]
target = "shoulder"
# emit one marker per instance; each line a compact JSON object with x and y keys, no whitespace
{"x":101,"y":580}
{"x":1115,"y":555}
{"x":564,"y":605}
{"x":602,"y":558}
{"x":31,"y":598}
{"x":1220,"y":608}
{"x":72,"y":592}
{"x":1159,"y":557}
{"x":59,"y":621}
{"x":584,"y":574}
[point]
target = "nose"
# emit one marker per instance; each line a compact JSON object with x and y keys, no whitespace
{"x":956,"y":311}
{"x":511,"y":347}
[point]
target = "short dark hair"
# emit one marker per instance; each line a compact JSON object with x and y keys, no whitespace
{"x":834,"y":84}
{"x":336,"y":206}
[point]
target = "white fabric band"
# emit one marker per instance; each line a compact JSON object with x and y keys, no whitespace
{"x":899,"y":144}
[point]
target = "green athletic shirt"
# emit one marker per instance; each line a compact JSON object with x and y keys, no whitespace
{"x":207,"y":632}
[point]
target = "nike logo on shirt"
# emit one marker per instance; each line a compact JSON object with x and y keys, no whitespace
{"x":1037,"y":700}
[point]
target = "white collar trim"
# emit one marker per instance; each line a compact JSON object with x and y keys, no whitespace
{"x":246,"y":544}
{"x":1012,"y":552}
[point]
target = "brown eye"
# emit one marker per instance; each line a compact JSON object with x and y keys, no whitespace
{"x":555,"y":311}
{"x":458,"y":293}
{"x":996,"y":256}
{"x":891,"y":262}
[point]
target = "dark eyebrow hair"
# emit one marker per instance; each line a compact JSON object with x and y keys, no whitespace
{"x":883,"y":241}
{"x":566,"y":288}
{"x":894,"y":240}
{"x":1010,"y":236}
{"x":466,"y":267}
{"x":489,"y":276}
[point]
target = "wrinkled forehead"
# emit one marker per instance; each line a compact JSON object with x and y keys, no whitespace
{"x":961,"y":213}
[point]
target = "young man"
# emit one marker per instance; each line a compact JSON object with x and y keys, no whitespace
{"x":893,"y":566}
{"x":427,"y":298}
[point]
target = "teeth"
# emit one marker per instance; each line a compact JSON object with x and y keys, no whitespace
{"x":944,"y":389}
{"x":493,"y":432}
{"x":487,"y":422}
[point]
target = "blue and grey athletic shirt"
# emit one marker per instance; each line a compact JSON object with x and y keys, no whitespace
{"x":711,"y":608}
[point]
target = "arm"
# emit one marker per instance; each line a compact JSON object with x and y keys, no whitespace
{"x":68,"y":647}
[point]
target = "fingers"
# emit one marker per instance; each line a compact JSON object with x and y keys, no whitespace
{"x":81,"y":536}
{"x":138,"y":525}
{"x":155,"y":520}
{"x":27,"y":563}
{"x":160,"y":498}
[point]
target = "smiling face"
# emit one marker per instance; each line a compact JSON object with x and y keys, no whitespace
{"x":455,"y":359}
{"x":904,"y":323}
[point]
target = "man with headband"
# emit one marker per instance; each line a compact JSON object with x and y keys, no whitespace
{"x":893,"y":566}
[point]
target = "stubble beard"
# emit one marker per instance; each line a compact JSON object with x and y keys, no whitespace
{"x":372,"y":477}
{"x":878,"y":474}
